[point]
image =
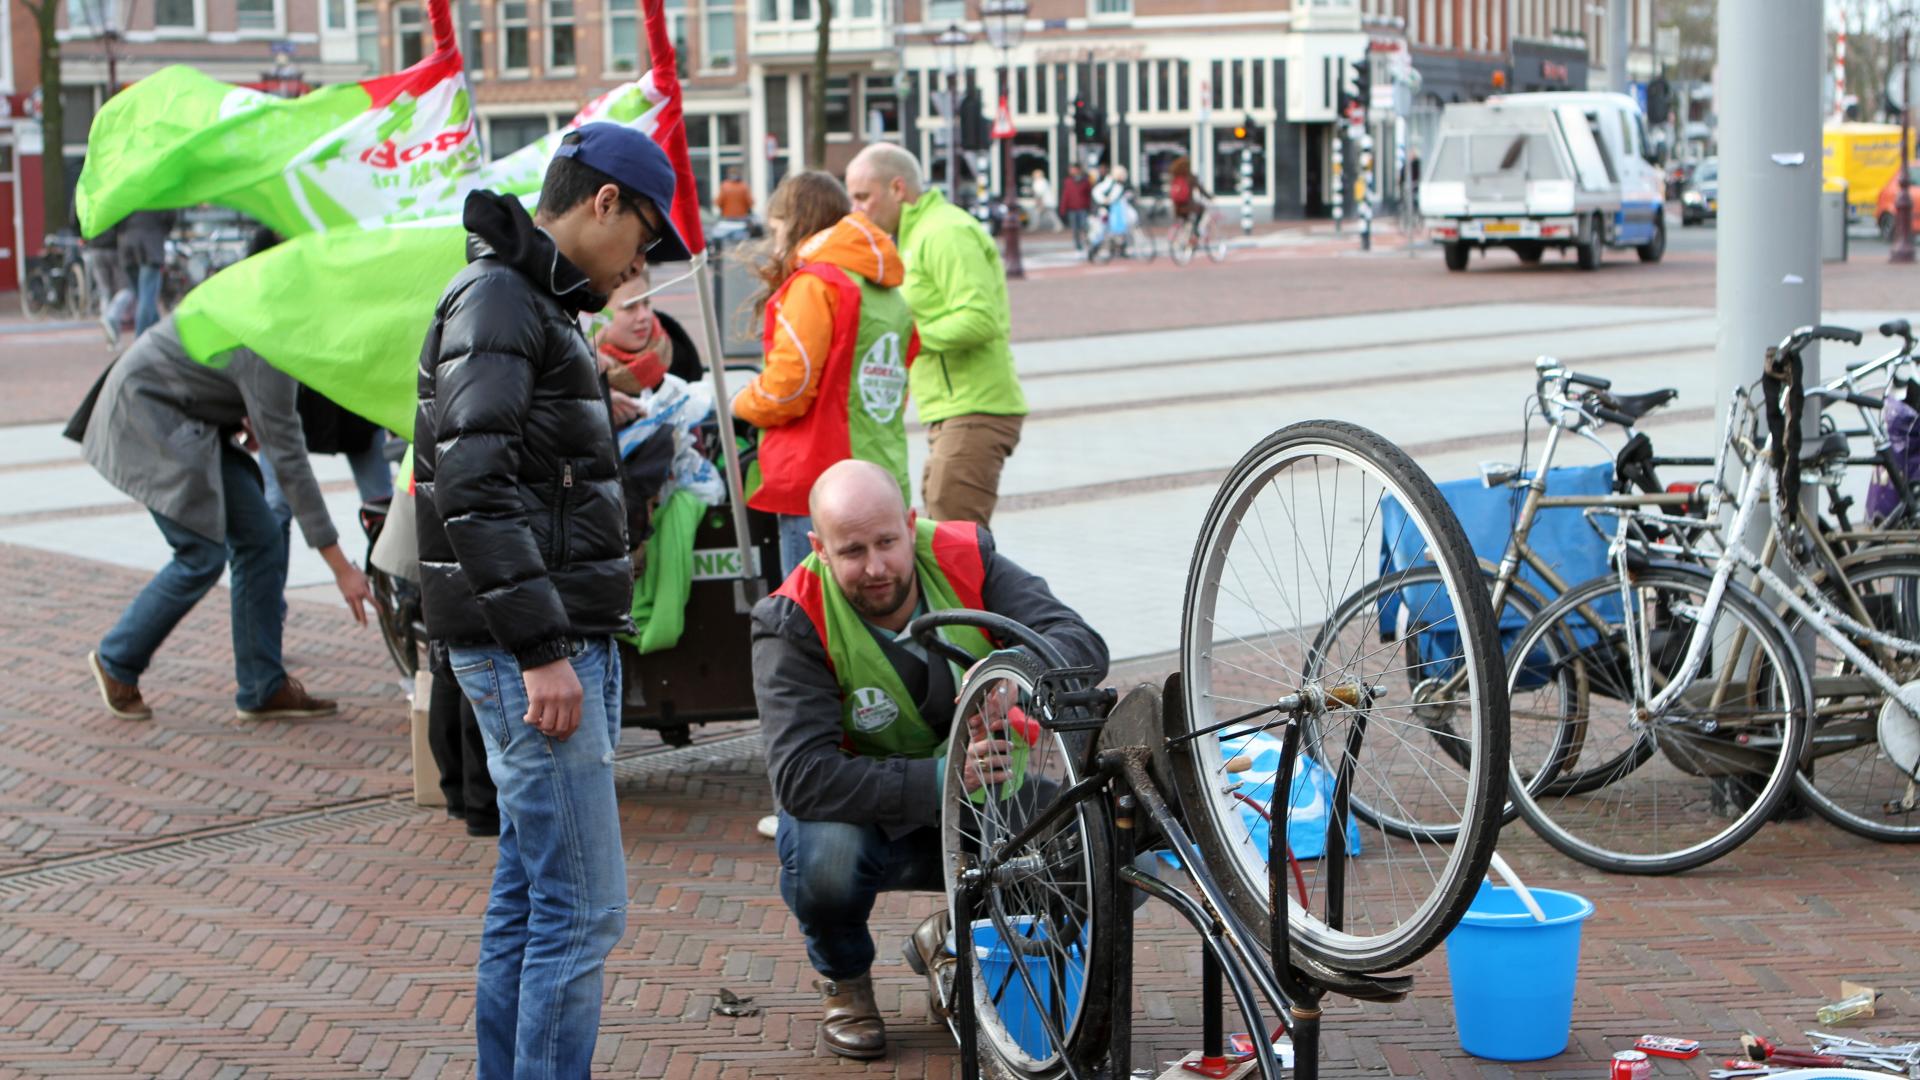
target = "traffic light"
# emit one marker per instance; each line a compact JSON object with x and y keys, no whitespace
{"x":1659,"y":101}
{"x":973,"y":121}
{"x":1089,"y":121}
{"x":1363,"y":83}
{"x":1245,"y":126}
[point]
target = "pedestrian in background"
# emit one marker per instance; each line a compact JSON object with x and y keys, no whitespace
{"x":963,"y":382}
{"x":102,"y":256}
{"x":733,"y":202}
{"x":143,"y":252}
{"x":524,"y":572}
{"x":1076,"y":198}
{"x":1043,"y":215}
{"x":837,"y":341}
{"x":166,"y":429}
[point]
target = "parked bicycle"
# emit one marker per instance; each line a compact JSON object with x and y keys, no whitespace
{"x":56,"y":284}
{"x":1116,"y":232}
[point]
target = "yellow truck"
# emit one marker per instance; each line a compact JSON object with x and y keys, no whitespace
{"x":1862,"y":156}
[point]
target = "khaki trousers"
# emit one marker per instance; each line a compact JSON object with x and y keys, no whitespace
{"x":966,"y":454}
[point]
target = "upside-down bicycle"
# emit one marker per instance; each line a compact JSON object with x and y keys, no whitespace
{"x":1277,"y":711}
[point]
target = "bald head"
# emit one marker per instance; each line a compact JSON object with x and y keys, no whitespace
{"x":864,"y":532}
{"x":882,"y":179}
{"x":854,"y":489}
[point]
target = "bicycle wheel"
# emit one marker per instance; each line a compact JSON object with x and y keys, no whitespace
{"x":1847,"y":776}
{"x":1301,"y":522}
{"x":1180,"y":246}
{"x":33,"y":292}
{"x":1428,"y":639}
{"x":1042,"y":988}
{"x":1213,"y":240}
{"x":79,"y":291}
{"x":1149,"y":247}
{"x":1656,"y":794}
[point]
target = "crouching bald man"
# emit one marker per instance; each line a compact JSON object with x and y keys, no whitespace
{"x":856,"y":715}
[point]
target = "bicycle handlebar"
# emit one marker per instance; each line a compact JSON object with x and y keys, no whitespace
{"x":998,"y":626}
{"x":1610,"y":415}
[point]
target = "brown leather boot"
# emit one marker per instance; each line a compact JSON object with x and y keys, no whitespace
{"x":123,"y":699}
{"x":290,"y":702}
{"x":852,"y":1024}
{"x":926,"y":953}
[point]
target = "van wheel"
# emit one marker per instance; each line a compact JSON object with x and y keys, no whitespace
{"x":1456,"y":253}
{"x":1529,"y":251}
{"x":1594,"y":248}
{"x":1651,"y":251}
{"x":1886,"y":227}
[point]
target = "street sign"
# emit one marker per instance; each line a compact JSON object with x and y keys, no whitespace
{"x":1357,"y":112}
{"x":1002,"y":121}
{"x":1380,"y":96}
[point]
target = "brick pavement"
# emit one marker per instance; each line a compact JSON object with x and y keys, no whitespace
{"x":188,"y":899}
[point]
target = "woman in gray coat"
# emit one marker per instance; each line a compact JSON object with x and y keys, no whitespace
{"x":164,"y":430}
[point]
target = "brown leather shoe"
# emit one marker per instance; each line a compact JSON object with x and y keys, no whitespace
{"x":290,"y":702}
{"x":926,"y":953}
{"x":123,"y":699}
{"x":852,"y":1024}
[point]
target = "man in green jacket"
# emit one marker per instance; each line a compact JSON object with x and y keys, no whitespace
{"x":963,"y":382}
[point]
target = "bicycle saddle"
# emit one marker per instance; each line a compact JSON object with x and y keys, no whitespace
{"x":1831,"y":444}
{"x":1639,"y":405}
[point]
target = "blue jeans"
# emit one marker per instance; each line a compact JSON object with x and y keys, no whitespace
{"x":148,"y":312}
{"x":794,"y":545}
{"x":256,"y":549}
{"x":830,"y":873}
{"x":559,"y":901}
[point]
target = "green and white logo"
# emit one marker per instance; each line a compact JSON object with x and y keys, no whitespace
{"x":873,"y":710}
{"x":883,"y":379}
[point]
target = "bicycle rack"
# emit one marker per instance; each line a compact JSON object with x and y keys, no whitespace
{"x":1126,"y":755}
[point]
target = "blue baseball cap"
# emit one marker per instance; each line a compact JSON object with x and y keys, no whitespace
{"x":639,"y":166}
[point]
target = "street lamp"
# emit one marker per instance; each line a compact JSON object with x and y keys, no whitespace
{"x":1006,"y":24}
{"x":1903,"y":204}
{"x":954,"y":39}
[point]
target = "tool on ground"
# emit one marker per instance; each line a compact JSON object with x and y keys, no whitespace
{"x":1761,"y":1049}
{"x":1902,"y":1058}
{"x":1737,"y":1069}
{"x":1668,"y":1046}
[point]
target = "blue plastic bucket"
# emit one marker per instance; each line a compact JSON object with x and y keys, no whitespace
{"x":1513,"y":976}
{"x":1015,"y":1004}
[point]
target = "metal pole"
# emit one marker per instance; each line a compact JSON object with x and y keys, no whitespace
{"x":1366,"y":189}
{"x":1246,"y":188}
{"x":1903,"y":203}
{"x":1617,"y":15}
{"x":1338,"y":155}
{"x":752,"y":585}
{"x":953,"y":132}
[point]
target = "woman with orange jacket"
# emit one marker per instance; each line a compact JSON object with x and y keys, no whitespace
{"x":838,"y":338}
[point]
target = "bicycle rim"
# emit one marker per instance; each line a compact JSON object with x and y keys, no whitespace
{"x":1666,"y":792}
{"x":1846,"y":776}
{"x":1041,"y":988}
{"x":1296,"y":533}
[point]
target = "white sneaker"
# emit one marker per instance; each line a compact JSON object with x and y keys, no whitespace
{"x":768,"y":826}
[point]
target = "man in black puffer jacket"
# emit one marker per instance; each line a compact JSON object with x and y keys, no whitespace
{"x":524,"y":572}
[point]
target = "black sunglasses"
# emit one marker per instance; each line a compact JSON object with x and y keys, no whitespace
{"x":655,"y":235}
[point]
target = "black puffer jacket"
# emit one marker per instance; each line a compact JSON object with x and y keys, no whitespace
{"x":523,"y":536}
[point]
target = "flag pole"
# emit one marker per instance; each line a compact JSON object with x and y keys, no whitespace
{"x":723,"y":413}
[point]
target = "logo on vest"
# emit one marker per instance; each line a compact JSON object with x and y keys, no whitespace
{"x":873,"y":710}
{"x":883,"y":379}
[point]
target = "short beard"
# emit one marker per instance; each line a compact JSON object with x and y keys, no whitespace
{"x":895,"y":600}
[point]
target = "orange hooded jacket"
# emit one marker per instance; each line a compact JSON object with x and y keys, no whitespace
{"x":802,"y":326}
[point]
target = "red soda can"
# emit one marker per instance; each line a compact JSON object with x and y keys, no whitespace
{"x":1631,"y":1065}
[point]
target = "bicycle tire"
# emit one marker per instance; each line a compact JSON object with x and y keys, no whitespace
{"x":1152,"y":245}
{"x":1518,"y":607}
{"x":396,"y":608}
{"x":1215,"y":244}
{"x":1697,"y":781}
{"x":1845,"y":776}
{"x":31,"y":291}
{"x":79,"y":292}
{"x":1375,"y":933}
{"x":1015,"y":1042}
{"x":1180,"y":246}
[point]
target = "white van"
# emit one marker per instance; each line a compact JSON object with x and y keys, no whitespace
{"x":1534,"y":171}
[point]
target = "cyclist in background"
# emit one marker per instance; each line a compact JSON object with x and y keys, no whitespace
{"x":1113,"y":199}
{"x":1189,"y":196}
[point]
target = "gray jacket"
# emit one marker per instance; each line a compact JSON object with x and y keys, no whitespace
{"x":156,"y":432}
{"x":800,"y":710}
